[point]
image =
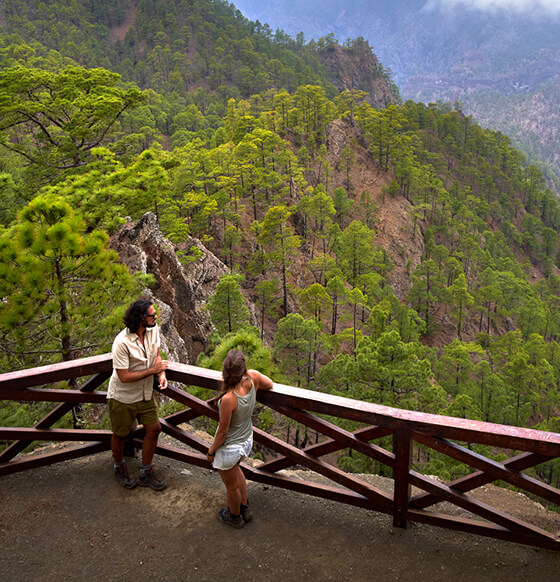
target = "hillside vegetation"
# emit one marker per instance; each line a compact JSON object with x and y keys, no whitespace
{"x":401,"y":255}
{"x":500,"y":59}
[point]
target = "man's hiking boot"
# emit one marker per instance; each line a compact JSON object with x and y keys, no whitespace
{"x":148,"y":478}
{"x":225,"y":516}
{"x":246,"y":512}
{"x":121,"y":472}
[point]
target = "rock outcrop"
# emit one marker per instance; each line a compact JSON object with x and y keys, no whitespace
{"x":181,"y":290}
{"x":393,"y":227}
{"x":356,"y":68}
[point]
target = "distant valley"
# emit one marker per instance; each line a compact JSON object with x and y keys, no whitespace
{"x":503,"y":65}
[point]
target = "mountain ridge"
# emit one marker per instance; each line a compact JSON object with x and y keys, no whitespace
{"x":191,"y":52}
{"x":450,"y":53}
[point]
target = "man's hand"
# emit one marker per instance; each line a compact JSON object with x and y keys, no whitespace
{"x":159,"y":366}
{"x":162,"y":381}
{"x":158,"y":369}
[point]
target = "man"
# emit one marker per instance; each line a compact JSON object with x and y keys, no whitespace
{"x":136,"y":360}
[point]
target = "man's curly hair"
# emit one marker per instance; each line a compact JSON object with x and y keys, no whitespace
{"x":136,"y":312}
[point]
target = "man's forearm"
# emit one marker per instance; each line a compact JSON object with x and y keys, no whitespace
{"x":129,"y":376}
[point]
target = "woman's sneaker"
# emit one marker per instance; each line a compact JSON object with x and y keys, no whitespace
{"x":225,"y":516}
{"x":121,"y":472}
{"x":148,"y":478}
{"x":246,"y":512}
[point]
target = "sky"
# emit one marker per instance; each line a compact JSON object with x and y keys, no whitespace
{"x":540,"y":6}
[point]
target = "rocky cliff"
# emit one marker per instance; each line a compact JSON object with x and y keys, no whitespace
{"x":180,"y":291}
{"x":393,"y":228}
{"x":356,"y":68}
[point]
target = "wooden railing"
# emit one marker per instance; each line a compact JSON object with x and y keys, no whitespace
{"x":447,"y":435}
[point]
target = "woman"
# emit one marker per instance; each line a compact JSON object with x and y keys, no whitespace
{"x":233,"y":440}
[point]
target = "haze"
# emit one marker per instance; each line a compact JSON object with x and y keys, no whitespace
{"x":541,"y":7}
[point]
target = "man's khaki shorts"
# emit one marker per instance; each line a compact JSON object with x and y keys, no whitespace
{"x":122,"y":415}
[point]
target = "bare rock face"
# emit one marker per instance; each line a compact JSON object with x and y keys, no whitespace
{"x":181,"y":291}
{"x":404,"y":245}
{"x":394,"y":225}
{"x":356,"y":68}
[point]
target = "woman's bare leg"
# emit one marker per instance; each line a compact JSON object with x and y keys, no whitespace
{"x":230,"y":477}
{"x":242,"y":485}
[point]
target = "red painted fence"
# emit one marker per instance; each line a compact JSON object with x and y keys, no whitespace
{"x":447,"y":435}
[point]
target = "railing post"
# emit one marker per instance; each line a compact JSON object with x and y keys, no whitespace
{"x":402,"y":449}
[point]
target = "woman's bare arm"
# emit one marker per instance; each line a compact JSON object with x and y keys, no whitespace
{"x":227,"y":408}
{"x":261,"y":381}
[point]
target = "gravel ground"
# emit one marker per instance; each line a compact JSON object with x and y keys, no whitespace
{"x":72,"y":521}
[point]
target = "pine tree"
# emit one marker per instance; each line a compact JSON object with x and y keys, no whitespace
{"x":55,"y":120}
{"x":227,"y":306}
{"x":278,"y":237}
{"x":62,"y":288}
{"x":295,"y":347}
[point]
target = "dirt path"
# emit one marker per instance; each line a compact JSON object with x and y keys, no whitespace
{"x":72,"y":521}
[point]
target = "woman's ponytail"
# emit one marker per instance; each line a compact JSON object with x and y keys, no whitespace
{"x":233,"y":370}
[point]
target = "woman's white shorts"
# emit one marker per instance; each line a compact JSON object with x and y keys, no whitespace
{"x":227,"y":456}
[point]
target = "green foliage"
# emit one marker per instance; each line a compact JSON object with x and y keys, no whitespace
{"x":296,"y":346}
{"x":52,"y":121}
{"x":355,"y":251}
{"x":277,"y":237}
{"x":173,"y":47}
{"x":53,"y":279}
{"x":257,"y":355}
{"x":227,"y":307}
{"x":9,"y":201}
{"x":355,"y":463}
{"x":267,"y":299}
{"x":108,"y":191}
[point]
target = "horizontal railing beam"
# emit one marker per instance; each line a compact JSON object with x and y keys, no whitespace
{"x":54,"y":434}
{"x":474,"y":431}
{"x":44,"y":395}
{"x":45,"y":459}
{"x":461,"y":429}
{"x":55,"y":373}
{"x":484,"y":528}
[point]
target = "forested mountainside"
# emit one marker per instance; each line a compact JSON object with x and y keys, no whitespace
{"x":397,"y":254}
{"x":500,"y":59}
{"x":182,"y":46}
